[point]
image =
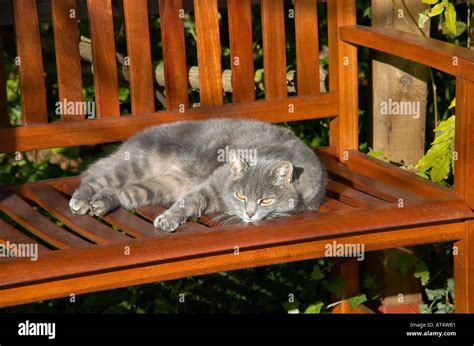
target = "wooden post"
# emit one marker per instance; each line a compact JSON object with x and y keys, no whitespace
{"x":464,"y":271}
{"x":343,"y":77}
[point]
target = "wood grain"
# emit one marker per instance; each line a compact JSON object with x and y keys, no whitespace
{"x":103,"y":58}
{"x":443,"y":56}
{"x":115,"y":129}
{"x":209,"y":52}
{"x":274,"y":49}
{"x":36,"y":223}
{"x":68,"y":61}
{"x":464,"y":141}
{"x":139,"y":55}
{"x":28,"y":46}
{"x":58,"y":206}
{"x":307,"y":47}
{"x":241,"y":50}
{"x":4,"y":116}
{"x":174,"y":54}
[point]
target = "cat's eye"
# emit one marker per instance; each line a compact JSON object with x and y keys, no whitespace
{"x":266,"y":201}
{"x":240,"y":196}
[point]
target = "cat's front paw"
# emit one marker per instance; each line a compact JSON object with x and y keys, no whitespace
{"x":102,"y":202}
{"x":170,"y":220}
{"x":78,"y":206}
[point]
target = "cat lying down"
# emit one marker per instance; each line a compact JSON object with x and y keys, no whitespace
{"x":243,"y":170}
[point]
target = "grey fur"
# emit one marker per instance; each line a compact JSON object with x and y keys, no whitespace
{"x":181,"y":166}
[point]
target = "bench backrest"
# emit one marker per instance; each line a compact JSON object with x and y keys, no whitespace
{"x":109,"y":125}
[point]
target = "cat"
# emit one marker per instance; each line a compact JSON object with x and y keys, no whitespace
{"x":244,"y":170}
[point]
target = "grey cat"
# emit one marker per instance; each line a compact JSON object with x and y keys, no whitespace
{"x":243,"y":169}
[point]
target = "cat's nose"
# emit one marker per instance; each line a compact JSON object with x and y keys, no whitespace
{"x":250,"y":214}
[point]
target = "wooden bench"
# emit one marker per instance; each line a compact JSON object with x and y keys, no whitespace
{"x":368,"y":202}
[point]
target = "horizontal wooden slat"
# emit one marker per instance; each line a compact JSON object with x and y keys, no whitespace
{"x":351,"y":196}
{"x":14,"y":236}
{"x":139,"y":54}
{"x":103,"y":58}
{"x":120,"y":217}
{"x":39,"y":225}
{"x":111,"y":130}
{"x":68,"y":61}
{"x":440,"y":55}
{"x":151,"y":212}
{"x":174,"y":54}
{"x":28,"y":45}
{"x":223,"y":262}
{"x":394,"y":176}
{"x":363,"y":183}
{"x":58,"y":206}
{"x":304,"y":227}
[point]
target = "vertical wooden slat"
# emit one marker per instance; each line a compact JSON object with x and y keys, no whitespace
{"x":343,"y":77}
{"x":274,"y":49}
{"x":66,"y":42}
{"x":307,"y":47}
{"x":333,"y":68}
{"x":174,"y":54}
{"x":4,"y":119}
{"x":28,"y":45}
{"x":209,"y":52}
{"x":103,"y":57}
{"x":241,"y":50}
{"x":464,"y":270}
{"x":464,"y":141}
{"x":139,"y":55}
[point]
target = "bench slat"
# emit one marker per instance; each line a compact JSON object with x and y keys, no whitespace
{"x":174,"y":54}
{"x":120,"y":217}
{"x":66,"y":43}
{"x":28,"y":45}
{"x":307,"y":47}
{"x":58,"y":206}
{"x":4,"y":117}
{"x":209,"y":52}
{"x":14,"y":236}
{"x":351,"y":196}
{"x":152,"y":211}
{"x":241,"y":50}
{"x":274,"y":49}
{"x":186,"y":245}
{"x":139,"y":54}
{"x":103,"y":57}
{"x":36,"y":223}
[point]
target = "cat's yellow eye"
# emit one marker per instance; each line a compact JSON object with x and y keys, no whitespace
{"x":266,"y":201}
{"x":240,"y":196}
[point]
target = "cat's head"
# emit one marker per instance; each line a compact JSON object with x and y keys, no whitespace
{"x":261,"y":191}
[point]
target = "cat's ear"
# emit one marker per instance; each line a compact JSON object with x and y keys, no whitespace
{"x":282,"y":173}
{"x":237,"y":164}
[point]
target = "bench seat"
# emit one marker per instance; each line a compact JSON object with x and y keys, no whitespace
{"x":367,"y":201}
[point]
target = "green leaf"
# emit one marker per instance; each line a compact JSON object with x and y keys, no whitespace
{"x":335,"y":286}
{"x":317,"y":274}
{"x":314,"y":308}
{"x":452,"y":104}
{"x":422,"y":272}
{"x":124,"y":93}
{"x":435,"y":294}
{"x":355,"y":301}
{"x":404,"y":262}
{"x":422,"y":19}
{"x":450,"y":17}
{"x":437,"y":9}
{"x":425,"y":309}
